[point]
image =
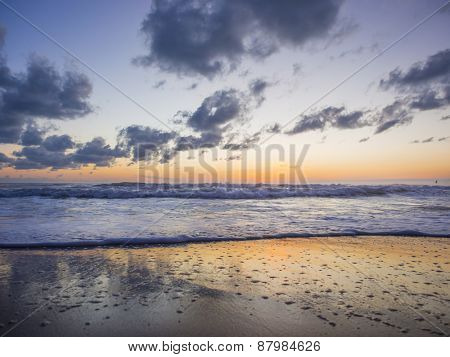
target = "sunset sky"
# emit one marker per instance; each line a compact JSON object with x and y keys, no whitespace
{"x":212,"y":79}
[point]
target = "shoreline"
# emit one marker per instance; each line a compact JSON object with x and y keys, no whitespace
{"x":151,"y":242}
{"x":333,"y":286}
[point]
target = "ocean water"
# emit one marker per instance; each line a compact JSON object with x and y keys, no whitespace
{"x":124,"y":213}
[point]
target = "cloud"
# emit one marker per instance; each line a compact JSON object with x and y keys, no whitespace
{"x":246,"y":143}
{"x":5,"y":160}
{"x":58,"y":143}
{"x":38,"y":157}
{"x":141,"y":141}
{"x":391,"y":115}
{"x":32,"y":135}
{"x":192,"y":86}
{"x":426,"y":141}
{"x":435,"y":68}
{"x":205,"y":140}
{"x":447,"y":117}
{"x":207,"y":37}
{"x":363,"y":140}
{"x":443,"y":138}
{"x":425,"y":85}
{"x":430,"y":99}
{"x":216,"y":110}
{"x":257,"y":87}
{"x":329,"y":117}
{"x":394,"y":114}
{"x":350,"y":120}
{"x":96,"y":152}
{"x":39,"y":92}
{"x":53,"y":153}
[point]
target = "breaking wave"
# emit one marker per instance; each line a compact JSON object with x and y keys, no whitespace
{"x":180,"y":239}
{"x":214,"y":191}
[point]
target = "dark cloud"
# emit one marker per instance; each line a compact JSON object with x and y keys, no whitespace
{"x":315,"y":121}
{"x":53,"y":153}
{"x":205,"y":140}
{"x":216,"y":110}
{"x":363,"y":140}
{"x":96,"y":152}
{"x":443,"y":138}
{"x":429,"y":99}
{"x":5,"y":160}
{"x":425,"y":85}
{"x":257,"y":87}
{"x":350,"y":120}
{"x":447,"y":117}
{"x":32,"y":135}
{"x":435,"y":68}
{"x":394,"y":114}
{"x":141,"y":141}
{"x":43,"y":92}
{"x":40,"y":92}
{"x":217,"y":116}
{"x":207,"y":37}
{"x":329,"y":117}
{"x":429,"y":140}
{"x":58,"y":143}
{"x":38,"y":157}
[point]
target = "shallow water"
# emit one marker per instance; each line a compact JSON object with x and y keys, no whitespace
{"x":50,"y":214}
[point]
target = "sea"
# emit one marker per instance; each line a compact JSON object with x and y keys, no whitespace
{"x":74,"y":215}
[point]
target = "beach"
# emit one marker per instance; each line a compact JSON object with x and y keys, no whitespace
{"x":316,"y":286}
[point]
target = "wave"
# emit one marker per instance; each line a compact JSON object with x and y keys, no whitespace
{"x":215,"y":191}
{"x":184,"y":239}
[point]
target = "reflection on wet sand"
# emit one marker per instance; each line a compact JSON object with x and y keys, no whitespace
{"x":348,"y":286}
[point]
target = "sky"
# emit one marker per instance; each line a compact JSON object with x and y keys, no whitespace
{"x":91,"y":89}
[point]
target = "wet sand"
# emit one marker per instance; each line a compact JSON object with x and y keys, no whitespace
{"x":347,"y":286}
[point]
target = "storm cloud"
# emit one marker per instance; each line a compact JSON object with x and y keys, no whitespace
{"x":208,"y":37}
